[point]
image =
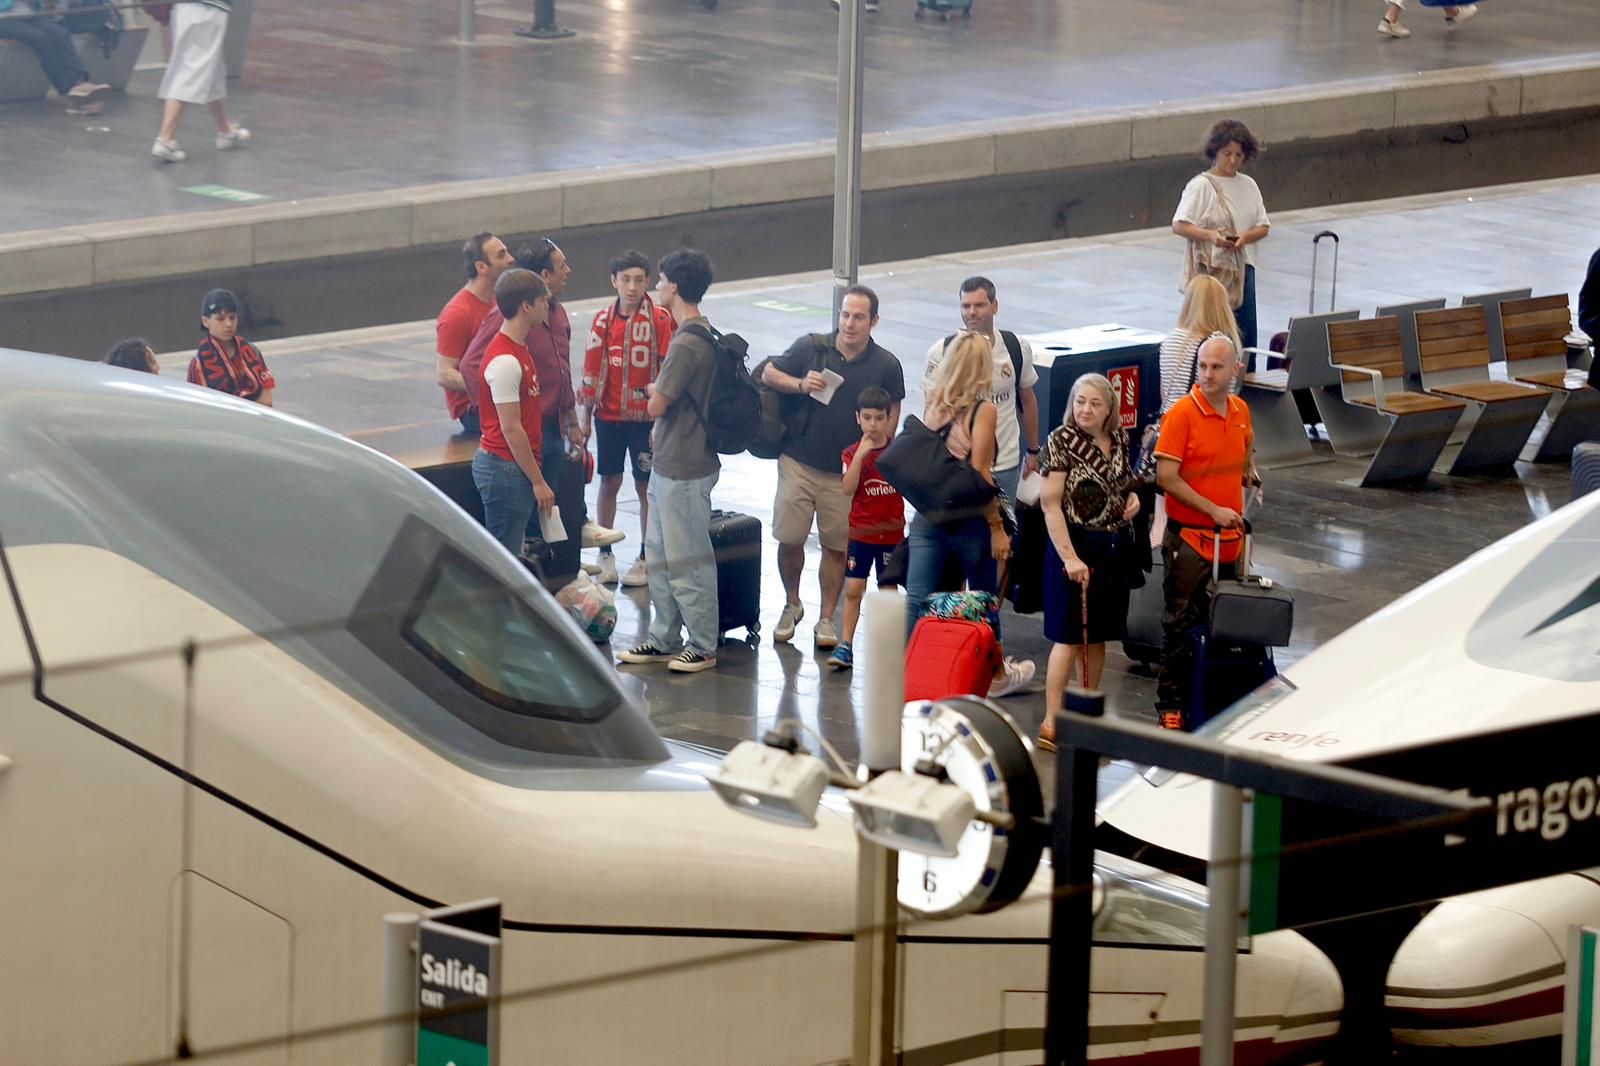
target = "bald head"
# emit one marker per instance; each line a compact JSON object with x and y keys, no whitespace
{"x":1215,"y":367}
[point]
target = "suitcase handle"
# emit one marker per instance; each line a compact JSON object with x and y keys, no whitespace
{"x":1242,"y":570}
{"x":1333,"y":291}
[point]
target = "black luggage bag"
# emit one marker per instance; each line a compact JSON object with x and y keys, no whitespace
{"x":1224,"y":673}
{"x":1146,"y":605}
{"x":736,"y":543}
{"x":1246,"y":609}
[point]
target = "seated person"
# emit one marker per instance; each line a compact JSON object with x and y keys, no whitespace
{"x":51,"y":42}
{"x":225,"y":361}
{"x":134,"y":353}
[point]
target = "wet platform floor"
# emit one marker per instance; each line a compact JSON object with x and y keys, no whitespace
{"x":1343,"y":550}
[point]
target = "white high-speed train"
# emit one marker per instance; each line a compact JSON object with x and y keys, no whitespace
{"x":1509,"y":638}
{"x":386,"y":713}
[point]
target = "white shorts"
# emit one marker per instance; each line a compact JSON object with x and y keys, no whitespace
{"x":196,"y":73}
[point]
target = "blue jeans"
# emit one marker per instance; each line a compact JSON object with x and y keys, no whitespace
{"x":53,"y":45}
{"x":1245,"y":314}
{"x":683,"y":571}
{"x":931,"y":545}
{"x":507,"y":498}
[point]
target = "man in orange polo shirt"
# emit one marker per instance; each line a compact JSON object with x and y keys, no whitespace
{"x":1203,"y":462}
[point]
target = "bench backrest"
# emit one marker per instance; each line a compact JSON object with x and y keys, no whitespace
{"x":1307,"y":346}
{"x":1490,"y":302}
{"x":1536,"y":328}
{"x":1455,"y":339}
{"x":1371,"y":342}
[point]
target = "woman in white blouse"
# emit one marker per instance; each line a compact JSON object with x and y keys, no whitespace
{"x":1223,"y":208}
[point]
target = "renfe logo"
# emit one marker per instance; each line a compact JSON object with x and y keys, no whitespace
{"x":1296,"y":740}
{"x":449,"y":973}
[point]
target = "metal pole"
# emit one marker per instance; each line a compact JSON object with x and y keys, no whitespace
{"x":466,"y":21}
{"x":399,"y":1006}
{"x":878,"y":869}
{"x":1066,"y":1033}
{"x":1222,"y":926}
{"x":847,"y":155}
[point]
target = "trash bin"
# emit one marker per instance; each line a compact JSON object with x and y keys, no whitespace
{"x":1129,"y":356}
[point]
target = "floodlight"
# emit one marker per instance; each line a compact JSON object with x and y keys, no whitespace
{"x":913,"y":812}
{"x":780,"y":784}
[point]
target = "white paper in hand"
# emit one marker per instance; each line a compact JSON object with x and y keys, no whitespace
{"x":834,"y":379}
{"x":550,"y":526}
{"x":1029,"y":488}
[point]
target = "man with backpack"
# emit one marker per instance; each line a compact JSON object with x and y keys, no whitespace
{"x":809,"y":478}
{"x":1016,"y":404}
{"x":677,"y":543}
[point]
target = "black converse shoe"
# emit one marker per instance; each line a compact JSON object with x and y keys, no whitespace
{"x":692,"y":662}
{"x":646,"y":653}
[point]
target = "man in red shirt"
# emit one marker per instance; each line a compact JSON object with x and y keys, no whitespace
{"x":1204,"y":459}
{"x":627,"y":342}
{"x":485,"y":259}
{"x":226,"y":361}
{"x":877,"y":513}
{"x":506,"y":466}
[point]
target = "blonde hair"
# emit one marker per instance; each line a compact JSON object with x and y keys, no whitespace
{"x":1206,"y":310}
{"x":1108,"y":393}
{"x":966,"y":375}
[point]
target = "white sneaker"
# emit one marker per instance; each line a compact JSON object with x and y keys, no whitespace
{"x":792,"y":613}
{"x":168,"y":151}
{"x":1463,"y":13}
{"x":606,"y":572}
{"x":591,"y":569}
{"x":235,"y":137}
{"x":597,"y":536}
{"x":825,"y":635}
{"x":1392,"y":29}
{"x":1016,"y":676}
{"x":638,"y":575}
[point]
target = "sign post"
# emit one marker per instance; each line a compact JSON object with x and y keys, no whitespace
{"x":458,"y":985}
{"x":1580,"y":1039}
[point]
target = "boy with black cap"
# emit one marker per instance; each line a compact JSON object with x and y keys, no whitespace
{"x":226,"y":361}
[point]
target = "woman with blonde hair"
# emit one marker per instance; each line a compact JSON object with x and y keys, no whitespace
{"x":1205,"y":311}
{"x":1088,"y":503}
{"x":956,"y":408}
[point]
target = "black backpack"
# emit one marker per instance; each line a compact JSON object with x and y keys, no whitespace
{"x":732,"y":418}
{"x":1014,"y":348}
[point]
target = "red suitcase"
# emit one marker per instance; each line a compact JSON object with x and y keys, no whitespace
{"x":950,"y":657}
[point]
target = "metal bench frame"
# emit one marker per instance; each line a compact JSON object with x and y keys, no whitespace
{"x":1453,"y":351}
{"x":1411,"y":440}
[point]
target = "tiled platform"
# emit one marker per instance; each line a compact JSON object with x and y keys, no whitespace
{"x":1344,"y":551}
{"x":366,"y":95}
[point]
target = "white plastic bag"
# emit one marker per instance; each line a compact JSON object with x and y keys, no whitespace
{"x":592,"y":606}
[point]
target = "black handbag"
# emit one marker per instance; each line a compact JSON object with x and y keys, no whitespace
{"x":941,"y":487}
{"x":1249,"y":610}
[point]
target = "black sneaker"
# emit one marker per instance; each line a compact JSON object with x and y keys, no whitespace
{"x":646,"y":653}
{"x":692,"y":662}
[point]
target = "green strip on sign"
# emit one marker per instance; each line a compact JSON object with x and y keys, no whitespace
{"x":222,"y":192}
{"x":439,"y":1049}
{"x":791,"y":308}
{"x":1585,"y":1039}
{"x":1266,"y":846}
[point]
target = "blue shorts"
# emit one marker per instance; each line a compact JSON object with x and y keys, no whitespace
{"x":616,"y":441}
{"x":860,"y":558}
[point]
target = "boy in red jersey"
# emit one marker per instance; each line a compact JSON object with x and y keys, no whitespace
{"x":226,"y":361}
{"x":877,"y":513}
{"x":506,"y":466}
{"x":486,"y":259}
{"x":621,"y":360}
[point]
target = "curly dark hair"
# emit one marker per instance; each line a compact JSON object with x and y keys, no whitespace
{"x":1231,"y":129}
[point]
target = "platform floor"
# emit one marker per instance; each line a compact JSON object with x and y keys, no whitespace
{"x":1344,"y":551}
{"x":365,"y":95}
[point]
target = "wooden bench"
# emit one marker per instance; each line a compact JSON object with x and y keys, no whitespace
{"x":1368,"y":355}
{"x":1534,"y":333}
{"x":1453,"y":348}
{"x":1270,"y":392}
{"x":437,"y":452}
{"x":22,"y":78}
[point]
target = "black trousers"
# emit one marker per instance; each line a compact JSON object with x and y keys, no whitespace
{"x":1187,"y":593}
{"x":53,"y":45}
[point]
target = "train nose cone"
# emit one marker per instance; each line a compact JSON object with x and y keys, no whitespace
{"x":1474,"y":973}
{"x":1311,"y":1013}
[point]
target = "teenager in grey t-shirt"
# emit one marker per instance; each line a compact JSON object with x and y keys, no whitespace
{"x":681,"y":452}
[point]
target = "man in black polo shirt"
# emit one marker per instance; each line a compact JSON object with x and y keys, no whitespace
{"x":810,"y":475}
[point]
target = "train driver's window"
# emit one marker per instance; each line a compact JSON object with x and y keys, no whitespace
{"x":1137,"y":905}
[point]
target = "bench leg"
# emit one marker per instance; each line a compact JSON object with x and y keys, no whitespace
{"x":1572,"y":418}
{"x":1412,"y":445}
{"x":1497,"y":436}
{"x":1352,"y":430}
{"x":1279,"y":434}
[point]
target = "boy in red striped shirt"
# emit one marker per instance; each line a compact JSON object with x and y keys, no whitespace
{"x":877,"y":513}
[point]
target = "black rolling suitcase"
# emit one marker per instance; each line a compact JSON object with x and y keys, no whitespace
{"x":1224,"y":674}
{"x":736,"y":542}
{"x":1228,"y":663}
{"x":1146,"y":604}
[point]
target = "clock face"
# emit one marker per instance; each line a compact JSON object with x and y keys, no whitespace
{"x":982,"y":752}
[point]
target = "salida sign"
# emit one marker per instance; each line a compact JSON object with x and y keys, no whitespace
{"x":458,"y":955}
{"x":1541,"y":784}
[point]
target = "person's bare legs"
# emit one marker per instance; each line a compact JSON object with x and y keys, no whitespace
{"x":830,"y":577}
{"x":791,"y":564}
{"x":605,"y":504}
{"x":643,"y":489}
{"x":1057,"y":672}
{"x":171,"y":114}
{"x":854,"y":589}
{"x":1391,"y":14}
{"x":219,"y":115}
{"x":1095,"y":660}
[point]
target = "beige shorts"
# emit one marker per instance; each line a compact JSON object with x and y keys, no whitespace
{"x":804,"y":492}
